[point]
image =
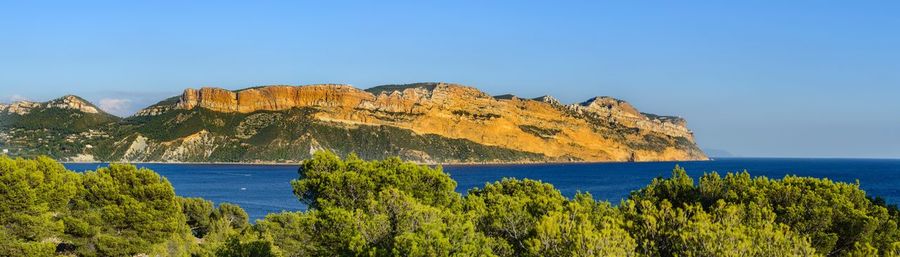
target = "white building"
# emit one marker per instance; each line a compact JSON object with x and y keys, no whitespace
{"x":5,"y":151}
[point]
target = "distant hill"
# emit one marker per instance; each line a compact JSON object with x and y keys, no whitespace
{"x":51,"y":128}
{"x":424,"y":122}
{"x":711,"y":152}
{"x":69,"y":113}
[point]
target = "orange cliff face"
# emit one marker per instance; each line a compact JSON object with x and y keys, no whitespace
{"x":600,"y":129}
{"x":272,"y":98}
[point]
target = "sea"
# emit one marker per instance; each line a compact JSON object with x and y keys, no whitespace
{"x":264,"y":189}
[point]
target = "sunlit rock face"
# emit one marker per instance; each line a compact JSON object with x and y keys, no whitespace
{"x":20,"y":108}
{"x":599,"y":129}
{"x":67,"y":102}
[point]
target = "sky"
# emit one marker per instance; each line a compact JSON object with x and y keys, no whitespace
{"x":753,"y":78}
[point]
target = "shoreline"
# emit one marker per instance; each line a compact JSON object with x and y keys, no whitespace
{"x":418,"y":163}
{"x":483,"y":163}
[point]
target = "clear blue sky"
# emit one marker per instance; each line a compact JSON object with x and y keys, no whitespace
{"x":756,"y":78}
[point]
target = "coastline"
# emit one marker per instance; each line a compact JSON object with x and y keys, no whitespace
{"x":500,"y":163}
{"x":491,"y":163}
{"x":419,"y":163}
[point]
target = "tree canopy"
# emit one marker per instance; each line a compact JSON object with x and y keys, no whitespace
{"x":396,"y":208}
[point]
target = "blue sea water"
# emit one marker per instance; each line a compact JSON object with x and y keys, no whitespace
{"x":262,"y":189}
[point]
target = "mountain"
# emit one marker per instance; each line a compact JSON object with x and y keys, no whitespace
{"x":424,"y":122}
{"x":50,"y":128}
{"x":68,"y":113}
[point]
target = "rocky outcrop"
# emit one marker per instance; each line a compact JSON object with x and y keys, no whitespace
{"x":74,"y":103}
{"x":600,"y":129}
{"x":621,"y":112}
{"x":20,"y":108}
{"x":69,"y":102}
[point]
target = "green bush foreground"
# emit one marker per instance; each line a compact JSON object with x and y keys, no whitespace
{"x":394,"y":208}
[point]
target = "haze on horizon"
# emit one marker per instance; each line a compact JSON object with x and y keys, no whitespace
{"x":758,"y":78}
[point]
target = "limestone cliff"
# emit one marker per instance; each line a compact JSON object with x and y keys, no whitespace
{"x":543,"y":129}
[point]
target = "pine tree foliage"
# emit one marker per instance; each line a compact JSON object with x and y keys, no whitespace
{"x":395,"y":208}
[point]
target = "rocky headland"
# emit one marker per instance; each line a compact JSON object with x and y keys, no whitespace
{"x":425,"y":122}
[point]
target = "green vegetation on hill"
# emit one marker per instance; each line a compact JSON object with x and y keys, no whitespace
{"x":396,"y":208}
{"x":56,"y":132}
{"x":544,"y":133}
{"x":400,"y":87}
{"x":293,"y":134}
{"x":63,"y":120}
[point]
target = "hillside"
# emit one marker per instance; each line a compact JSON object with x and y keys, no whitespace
{"x":423,"y":122}
{"x":69,"y":113}
{"x":63,"y":127}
